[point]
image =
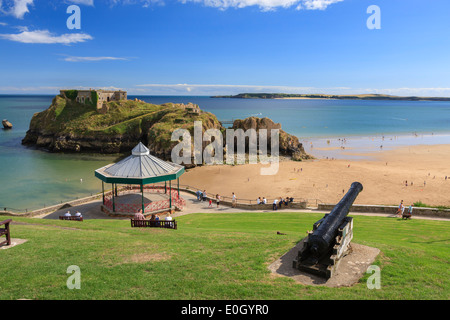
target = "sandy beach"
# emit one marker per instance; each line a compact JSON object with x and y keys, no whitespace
{"x":411,"y":174}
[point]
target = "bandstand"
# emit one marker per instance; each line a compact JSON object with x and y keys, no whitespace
{"x":143,"y":176}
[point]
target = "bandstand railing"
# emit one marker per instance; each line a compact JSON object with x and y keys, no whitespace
{"x":151,"y":206}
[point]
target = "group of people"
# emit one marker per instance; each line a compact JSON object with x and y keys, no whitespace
{"x":154,"y":217}
{"x":277,"y":203}
{"x":202,"y":196}
{"x":261,"y":201}
{"x":401,"y":209}
{"x":77,"y":214}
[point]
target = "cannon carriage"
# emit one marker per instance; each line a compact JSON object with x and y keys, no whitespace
{"x":324,"y":247}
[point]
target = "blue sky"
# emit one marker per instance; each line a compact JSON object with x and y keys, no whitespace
{"x":208,"y":47}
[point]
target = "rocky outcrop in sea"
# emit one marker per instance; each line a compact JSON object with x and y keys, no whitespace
{"x":68,"y":126}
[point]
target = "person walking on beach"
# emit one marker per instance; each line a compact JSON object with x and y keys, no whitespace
{"x":217,"y":200}
{"x":233,"y":201}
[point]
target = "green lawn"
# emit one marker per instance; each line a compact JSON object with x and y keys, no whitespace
{"x":213,"y":256}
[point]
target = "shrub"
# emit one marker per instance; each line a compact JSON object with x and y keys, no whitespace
{"x":71,"y":94}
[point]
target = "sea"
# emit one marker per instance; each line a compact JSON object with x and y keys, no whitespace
{"x":343,"y":129}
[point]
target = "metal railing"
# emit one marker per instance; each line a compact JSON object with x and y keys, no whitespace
{"x":212,"y":195}
{"x":151,"y":206}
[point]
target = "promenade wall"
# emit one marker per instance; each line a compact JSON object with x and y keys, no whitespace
{"x":388,"y":210}
{"x":417,"y":211}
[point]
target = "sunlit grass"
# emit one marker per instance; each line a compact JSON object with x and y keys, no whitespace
{"x":213,"y":256}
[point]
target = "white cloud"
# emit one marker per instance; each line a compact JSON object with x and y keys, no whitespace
{"x":17,"y":8}
{"x":267,"y":5}
{"x":143,"y":3}
{"x":29,"y":89}
{"x":224,"y":89}
{"x":45,"y":37}
{"x":83,"y":2}
{"x":92,"y":59}
{"x":316,"y":4}
{"x":3,"y":24}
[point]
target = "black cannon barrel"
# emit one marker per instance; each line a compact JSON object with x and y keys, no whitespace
{"x":323,"y":237}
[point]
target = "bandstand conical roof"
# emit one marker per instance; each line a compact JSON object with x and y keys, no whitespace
{"x":139,"y":168}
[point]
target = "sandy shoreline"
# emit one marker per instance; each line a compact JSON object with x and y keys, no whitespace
{"x":383,"y":176}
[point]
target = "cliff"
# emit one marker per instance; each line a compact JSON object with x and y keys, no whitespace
{"x":68,"y":126}
{"x":289,"y":144}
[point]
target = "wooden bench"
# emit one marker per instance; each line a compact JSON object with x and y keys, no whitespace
{"x":5,"y":231}
{"x":74,"y":218}
{"x":154,"y":224}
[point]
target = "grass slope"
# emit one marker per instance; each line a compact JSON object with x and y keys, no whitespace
{"x":213,"y":256}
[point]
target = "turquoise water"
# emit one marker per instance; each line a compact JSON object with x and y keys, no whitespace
{"x":33,"y":178}
{"x":331,"y":118}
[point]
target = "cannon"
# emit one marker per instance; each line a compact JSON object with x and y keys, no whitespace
{"x":330,"y":239}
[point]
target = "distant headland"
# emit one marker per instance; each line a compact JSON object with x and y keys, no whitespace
{"x":331,"y":97}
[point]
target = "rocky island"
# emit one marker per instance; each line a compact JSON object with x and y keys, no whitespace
{"x":74,"y":124}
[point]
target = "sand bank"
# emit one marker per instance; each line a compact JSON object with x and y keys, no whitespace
{"x":383,"y":176}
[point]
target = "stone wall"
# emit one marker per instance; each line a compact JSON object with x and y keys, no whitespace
{"x":51,"y":209}
{"x":417,"y":211}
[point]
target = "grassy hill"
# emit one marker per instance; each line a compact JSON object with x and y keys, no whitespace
{"x":213,"y":257}
{"x":331,"y":96}
{"x":73,"y":127}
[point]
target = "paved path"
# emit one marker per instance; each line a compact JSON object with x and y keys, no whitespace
{"x":92,"y":210}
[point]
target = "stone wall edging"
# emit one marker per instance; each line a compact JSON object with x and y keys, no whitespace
{"x":417,"y":211}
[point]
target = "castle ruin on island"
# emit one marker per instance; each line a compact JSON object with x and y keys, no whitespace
{"x":100,"y":98}
{"x":97,"y":97}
